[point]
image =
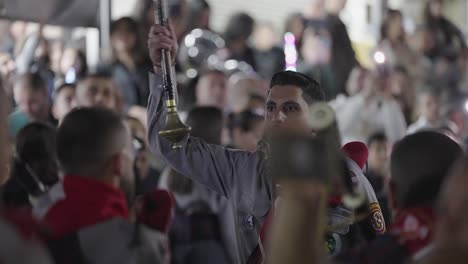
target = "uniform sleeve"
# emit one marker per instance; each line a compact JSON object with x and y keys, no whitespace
{"x":374,"y":223}
{"x":216,"y":167}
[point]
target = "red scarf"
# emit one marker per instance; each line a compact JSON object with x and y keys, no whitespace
{"x":87,"y":202}
{"x":414,"y":228}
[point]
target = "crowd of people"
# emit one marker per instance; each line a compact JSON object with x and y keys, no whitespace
{"x":87,"y":178}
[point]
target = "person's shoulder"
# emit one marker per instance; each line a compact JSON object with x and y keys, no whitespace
{"x":117,"y":238}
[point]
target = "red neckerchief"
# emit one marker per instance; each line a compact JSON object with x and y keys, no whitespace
{"x":414,"y":228}
{"x":86,"y":203}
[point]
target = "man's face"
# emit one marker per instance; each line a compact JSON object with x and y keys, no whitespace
{"x":64,"y":103}
{"x":287,"y":111}
{"x":430,"y":107}
{"x":97,"y":92}
{"x":378,"y":155}
{"x":211,"y":91}
{"x":33,"y":103}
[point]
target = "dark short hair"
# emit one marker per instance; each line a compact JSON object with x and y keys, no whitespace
{"x":311,"y":90}
{"x":239,"y":27}
{"x":63,"y":87}
{"x":127,"y":23}
{"x":87,"y":139}
{"x":245,"y":120}
{"x":377,"y":137}
{"x":419,"y":165}
{"x":36,"y":145}
{"x":33,"y":81}
{"x":103,"y":74}
{"x":206,"y":123}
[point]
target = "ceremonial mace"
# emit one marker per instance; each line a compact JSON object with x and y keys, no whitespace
{"x":174,"y":130}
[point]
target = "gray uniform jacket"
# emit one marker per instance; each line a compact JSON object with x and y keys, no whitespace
{"x":237,"y":175}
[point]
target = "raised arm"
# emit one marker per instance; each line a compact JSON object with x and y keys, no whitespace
{"x":214,"y":166}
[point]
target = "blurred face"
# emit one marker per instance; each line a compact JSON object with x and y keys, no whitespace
{"x":335,"y":6}
{"x":395,"y":28}
{"x":378,"y":155}
{"x":211,"y":90}
{"x":123,"y":40}
{"x":42,"y":48}
{"x":248,"y":140}
{"x":18,"y":29}
{"x":297,"y":28}
{"x":287,"y":111}
{"x":67,"y":61}
{"x":355,"y":81}
{"x":64,"y":103}
{"x":97,"y":92}
{"x":316,"y":48}
{"x":399,"y":83}
{"x":264,"y":37}
{"x":35,"y":104}
{"x":436,"y":8}
{"x":452,"y":225}
{"x":56,"y":54}
{"x":430,"y":107}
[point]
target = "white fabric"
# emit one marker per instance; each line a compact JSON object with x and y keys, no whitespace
{"x":358,"y":119}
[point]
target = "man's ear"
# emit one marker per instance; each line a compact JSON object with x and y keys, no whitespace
{"x":117,"y":165}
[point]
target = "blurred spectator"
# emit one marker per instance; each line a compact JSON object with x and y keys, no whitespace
{"x":448,"y":39}
{"x":211,"y":89}
{"x":316,"y":53}
{"x":343,"y":58}
{"x":238,"y":30}
{"x":452,"y":229}
{"x":372,"y":109}
{"x":34,"y":168}
{"x":403,"y":90}
{"x":420,"y":42}
{"x":97,"y":90}
{"x":73,"y":65}
{"x":206,"y":123}
{"x":8,"y":73}
{"x":34,"y":56}
{"x":64,"y":101}
{"x":87,"y":212}
{"x":354,"y":85}
{"x":314,"y":11}
{"x":394,"y":46}
{"x":268,"y":56}
{"x":295,"y":25}
{"x":148,"y":177}
{"x":17,"y":35}
{"x":30,"y":94}
{"x":197,"y":234}
{"x":378,"y":170}
{"x":131,"y":66}
{"x":56,"y":52}
{"x":429,"y":112}
{"x":4,"y":150}
{"x":199,"y":13}
{"x":246,"y":93}
{"x":246,"y":129}
{"x":178,"y":12}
